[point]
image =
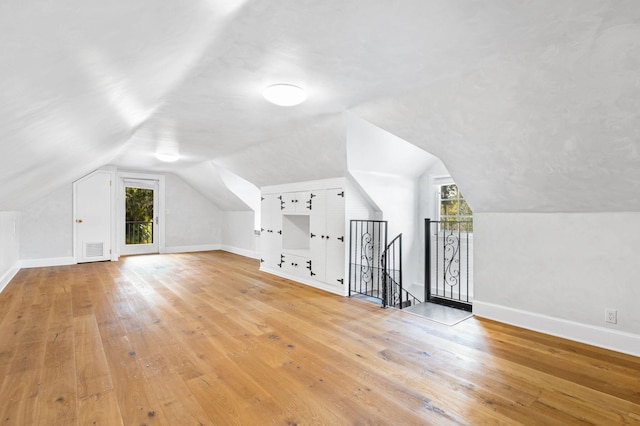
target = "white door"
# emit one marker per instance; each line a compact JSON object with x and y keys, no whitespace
{"x":92,"y":217}
{"x":140,"y":211}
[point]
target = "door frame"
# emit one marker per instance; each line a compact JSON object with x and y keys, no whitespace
{"x":154,"y":247}
{"x":120,"y":207}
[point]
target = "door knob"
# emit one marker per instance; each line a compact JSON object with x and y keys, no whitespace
{"x":78,"y":220}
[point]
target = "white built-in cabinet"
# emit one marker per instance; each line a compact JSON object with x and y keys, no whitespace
{"x":303,"y":234}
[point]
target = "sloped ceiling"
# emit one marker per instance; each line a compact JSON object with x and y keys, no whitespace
{"x":532,"y":106}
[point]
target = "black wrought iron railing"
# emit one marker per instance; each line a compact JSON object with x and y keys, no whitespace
{"x":139,"y":232}
{"x":449,"y":263}
{"x":368,"y":241}
{"x":394,"y":293}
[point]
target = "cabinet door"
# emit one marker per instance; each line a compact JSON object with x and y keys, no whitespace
{"x":296,"y":202}
{"x":271,"y":232}
{"x":295,"y":265}
{"x":304,"y":203}
{"x":334,"y":237}
{"x":289,"y":201}
{"x":318,"y":234}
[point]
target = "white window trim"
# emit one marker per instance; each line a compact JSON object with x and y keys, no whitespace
{"x":438,"y":182}
{"x":122,"y":176}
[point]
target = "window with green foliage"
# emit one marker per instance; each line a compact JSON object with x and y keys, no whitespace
{"x":454,"y":210}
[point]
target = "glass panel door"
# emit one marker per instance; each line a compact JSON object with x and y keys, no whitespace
{"x":140,"y":221}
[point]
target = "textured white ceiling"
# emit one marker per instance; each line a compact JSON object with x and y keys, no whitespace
{"x":532,"y":105}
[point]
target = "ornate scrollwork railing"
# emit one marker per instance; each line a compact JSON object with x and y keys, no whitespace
{"x":449,"y":262}
{"x":367,"y":242}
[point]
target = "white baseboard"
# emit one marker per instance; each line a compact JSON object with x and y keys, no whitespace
{"x":187,"y":249}
{"x":53,"y":261}
{"x":8,"y":276}
{"x":607,"y":338}
{"x":313,"y":283}
{"x":240,"y":251}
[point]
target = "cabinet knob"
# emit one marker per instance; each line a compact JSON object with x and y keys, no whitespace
{"x":341,"y":239}
{"x":313,"y":235}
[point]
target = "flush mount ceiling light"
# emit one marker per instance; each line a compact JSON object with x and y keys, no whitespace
{"x":167,"y":157}
{"x":284,"y":94}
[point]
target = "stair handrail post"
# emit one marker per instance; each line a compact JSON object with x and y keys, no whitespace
{"x":350,"y":253}
{"x":383,"y":263}
{"x":427,"y":266}
{"x":400,"y":267}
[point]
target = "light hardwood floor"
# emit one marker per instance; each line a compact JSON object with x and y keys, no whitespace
{"x":205,"y":338}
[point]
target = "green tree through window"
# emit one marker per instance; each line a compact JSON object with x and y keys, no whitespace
{"x":454,"y":209}
{"x":139,"y":216}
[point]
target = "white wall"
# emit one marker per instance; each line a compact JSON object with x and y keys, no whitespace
{"x":557,"y":273}
{"x":238,"y":233}
{"x":47,"y":227}
{"x":397,"y":197}
{"x":388,"y":169}
{"x":9,"y":229}
{"x":192,"y":221}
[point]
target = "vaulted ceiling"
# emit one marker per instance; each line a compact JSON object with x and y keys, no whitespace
{"x":532,"y":105}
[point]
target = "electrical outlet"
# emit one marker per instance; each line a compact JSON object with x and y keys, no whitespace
{"x":611,"y":316}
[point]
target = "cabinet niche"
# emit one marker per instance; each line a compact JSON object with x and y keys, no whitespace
{"x":295,"y":232}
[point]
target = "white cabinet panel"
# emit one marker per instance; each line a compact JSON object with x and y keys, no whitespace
{"x":318,"y":246}
{"x":270,"y":231}
{"x":327,"y":235}
{"x":335,"y":233}
{"x":296,"y":265}
{"x":296,"y":202}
